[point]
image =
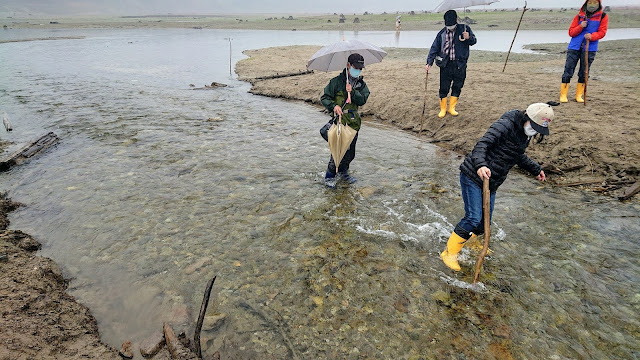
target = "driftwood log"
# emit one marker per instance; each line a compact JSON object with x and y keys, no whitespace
{"x":630,"y":191}
{"x":214,"y":85}
{"x":29,"y":150}
{"x":175,"y":347}
{"x":283,"y":75}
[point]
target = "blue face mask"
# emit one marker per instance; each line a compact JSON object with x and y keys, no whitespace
{"x":354,"y":72}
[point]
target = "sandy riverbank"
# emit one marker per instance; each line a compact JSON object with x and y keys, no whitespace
{"x":39,"y":319}
{"x":597,"y":144}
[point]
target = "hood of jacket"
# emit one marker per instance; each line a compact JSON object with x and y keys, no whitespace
{"x":583,"y":9}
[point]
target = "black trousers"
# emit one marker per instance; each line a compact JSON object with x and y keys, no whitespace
{"x":573,"y":57}
{"x":346,"y":160}
{"x":452,"y":77}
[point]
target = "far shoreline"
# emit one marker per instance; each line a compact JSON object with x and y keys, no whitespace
{"x":494,"y":19}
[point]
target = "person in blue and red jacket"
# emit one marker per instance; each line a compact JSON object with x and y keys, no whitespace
{"x":590,"y":24}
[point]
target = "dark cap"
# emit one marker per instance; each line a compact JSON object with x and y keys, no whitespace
{"x":450,"y":18}
{"x":356,"y":60}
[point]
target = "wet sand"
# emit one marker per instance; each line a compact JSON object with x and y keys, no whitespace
{"x":596,"y":145}
{"x":39,"y":319}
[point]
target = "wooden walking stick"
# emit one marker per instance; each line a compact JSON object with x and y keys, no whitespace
{"x":424,"y":105}
{"x":586,"y":71}
{"x":514,"y":36}
{"x":486,"y":213}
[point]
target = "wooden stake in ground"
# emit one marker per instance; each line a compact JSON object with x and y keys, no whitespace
{"x":586,"y":71}
{"x":486,"y":213}
{"x":424,"y":105}
{"x":203,"y":310}
{"x":514,"y":36}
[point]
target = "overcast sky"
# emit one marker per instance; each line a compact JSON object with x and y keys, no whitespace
{"x":149,"y":7}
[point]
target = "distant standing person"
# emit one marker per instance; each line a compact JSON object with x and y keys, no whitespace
{"x":398,"y":23}
{"x":450,"y":51}
{"x":334,"y":100}
{"x":590,"y":24}
{"x":501,"y":147}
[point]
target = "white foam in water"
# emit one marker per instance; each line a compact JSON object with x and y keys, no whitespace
{"x":438,"y":216}
{"x":414,"y":232}
{"x":383,"y":233}
{"x":477,"y":287}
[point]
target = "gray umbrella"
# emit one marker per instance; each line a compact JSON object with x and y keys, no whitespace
{"x":459,"y":4}
{"x":334,"y":57}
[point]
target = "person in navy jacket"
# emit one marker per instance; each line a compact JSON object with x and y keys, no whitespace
{"x":450,"y":51}
{"x":590,"y":24}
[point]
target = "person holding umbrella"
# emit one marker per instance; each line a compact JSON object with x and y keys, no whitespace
{"x":450,"y":51}
{"x":589,"y":26}
{"x":342,"y":97}
{"x":501,"y":147}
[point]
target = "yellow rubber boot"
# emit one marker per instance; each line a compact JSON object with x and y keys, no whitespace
{"x":564,"y":89}
{"x":477,"y":244}
{"x":450,"y":254}
{"x":580,"y":93}
{"x":452,"y":106}
{"x":443,"y":107}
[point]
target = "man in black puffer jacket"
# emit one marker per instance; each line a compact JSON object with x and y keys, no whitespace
{"x":501,"y":147}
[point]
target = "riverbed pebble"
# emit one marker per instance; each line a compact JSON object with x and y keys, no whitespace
{"x":153,"y":344}
{"x":125,"y":350}
{"x":212,"y":322}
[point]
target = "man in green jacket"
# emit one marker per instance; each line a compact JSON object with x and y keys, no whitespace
{"x":335,"y":97}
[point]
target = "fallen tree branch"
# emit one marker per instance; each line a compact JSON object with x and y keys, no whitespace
{"x":552,"y":169}
{"x":175,"y":347}
{"x":438,"y":129}
{"x":203,"y":310}
{"x":580,"y":183}
{"x":572,"y":168}
{"x":630,"y":191}
{"x":439,"y":140}
{"x":283,"y":75}
{"x":590,"y":163}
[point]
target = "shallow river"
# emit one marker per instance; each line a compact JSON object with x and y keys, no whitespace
{"x":155,"y":188}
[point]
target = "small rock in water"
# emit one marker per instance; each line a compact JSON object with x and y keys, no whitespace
{"x":152,"y":345}
{"x":402,"y":303}
{"x":126,"y":351}
{"x":202,"y":262}
{"x":212,"y":322}
{"x":163,"y":355}
{"x":180,"y":314}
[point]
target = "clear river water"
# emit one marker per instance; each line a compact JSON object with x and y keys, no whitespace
{"x":155,"y":188}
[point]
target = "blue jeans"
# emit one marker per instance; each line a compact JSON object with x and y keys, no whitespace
{"x":573,"y":57}
{"x":473,"y":221}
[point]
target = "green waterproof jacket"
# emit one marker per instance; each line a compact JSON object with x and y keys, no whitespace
{"x":335,"y":93}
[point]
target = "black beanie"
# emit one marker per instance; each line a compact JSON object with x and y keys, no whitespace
{"x":450,"y":18}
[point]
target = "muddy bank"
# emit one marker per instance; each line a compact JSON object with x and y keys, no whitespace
{"x":39,"y":319}
{"x":596,"y":145}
